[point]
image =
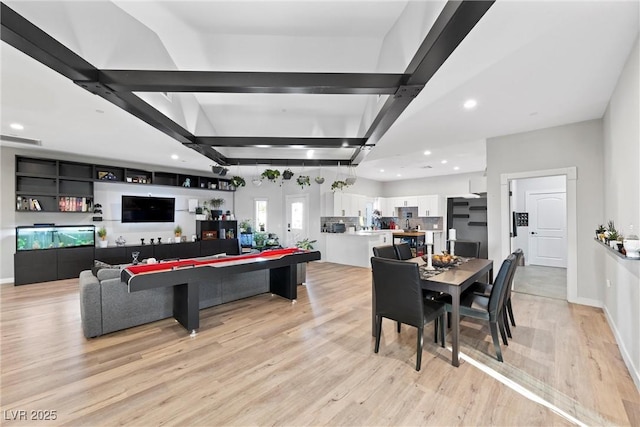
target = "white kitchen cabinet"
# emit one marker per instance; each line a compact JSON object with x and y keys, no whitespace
{"x":429,"y":205}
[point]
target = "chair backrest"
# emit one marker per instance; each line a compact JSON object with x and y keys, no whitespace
{"x":398,"y":291}
{"x":467,"y":249}
{"x":500,"y":286}
{"x":386,"y":251}
{"x":403,"y":251}
{"x":518,"y":254}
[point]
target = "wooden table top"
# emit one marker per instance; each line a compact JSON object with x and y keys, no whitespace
{"x":460,"y":274}
{"x":408,"y":233}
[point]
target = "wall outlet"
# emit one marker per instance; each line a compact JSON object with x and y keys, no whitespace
{"x":608,"y":283}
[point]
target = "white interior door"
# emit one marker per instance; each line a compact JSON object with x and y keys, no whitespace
{"x":297,"y":219}
{"x":547,"y":228}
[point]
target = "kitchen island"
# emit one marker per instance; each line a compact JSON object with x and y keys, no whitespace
{"x":354,"y":248}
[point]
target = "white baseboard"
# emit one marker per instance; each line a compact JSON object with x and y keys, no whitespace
{"x":6,"y":280}
{"x":588,"y":301}
{"x":633,"y":370}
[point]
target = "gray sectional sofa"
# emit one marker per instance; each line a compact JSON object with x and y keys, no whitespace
{"x":107,"y":306}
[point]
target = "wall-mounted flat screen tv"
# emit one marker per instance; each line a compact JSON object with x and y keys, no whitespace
{"x":148,"y":209}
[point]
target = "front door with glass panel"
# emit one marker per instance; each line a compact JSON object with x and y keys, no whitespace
{"x":297,"y":225}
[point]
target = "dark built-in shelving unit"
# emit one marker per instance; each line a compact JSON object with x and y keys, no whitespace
{"x":49,"y":185}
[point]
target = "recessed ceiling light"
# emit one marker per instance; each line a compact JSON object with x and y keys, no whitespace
{"x":309,"y":154}
{"x":470,"y":103}
{"x":16,"y":126}
{"x":456,"y":168}
{"x":174,"y":156}
{"x":444,"y":162}
{"x":263,"y":146}
{"x":399,"y":175}
{"x":99,"y":111}
{"x":427,"y":153}
{"x":381,"y":170}
{"x":345,"y":144}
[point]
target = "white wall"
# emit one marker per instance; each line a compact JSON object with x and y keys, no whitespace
{"x":622,"y":204}
{"x":579,"y":145}
{"x":446,"y":186}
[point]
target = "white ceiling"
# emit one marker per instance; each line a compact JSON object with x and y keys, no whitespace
{"x":530,"y":65}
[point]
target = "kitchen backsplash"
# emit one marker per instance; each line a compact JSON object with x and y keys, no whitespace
{"x":424,"y":223}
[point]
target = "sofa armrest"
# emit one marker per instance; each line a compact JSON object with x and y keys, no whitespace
{"x":90,"y":304}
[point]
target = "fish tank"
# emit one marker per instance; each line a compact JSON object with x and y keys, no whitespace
{"x":49,"y":236}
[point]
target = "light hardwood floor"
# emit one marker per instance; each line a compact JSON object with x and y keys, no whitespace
{"x":264,"y":361}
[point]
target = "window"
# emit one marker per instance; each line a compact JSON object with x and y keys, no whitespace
{"x":261,"y":215}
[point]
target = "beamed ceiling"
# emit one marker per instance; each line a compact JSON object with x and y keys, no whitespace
{"x":317,"y":83}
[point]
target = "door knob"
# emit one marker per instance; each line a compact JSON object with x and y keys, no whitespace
{"x":533,"y":232}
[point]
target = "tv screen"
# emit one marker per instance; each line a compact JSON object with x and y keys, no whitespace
{"x":148,"y":209}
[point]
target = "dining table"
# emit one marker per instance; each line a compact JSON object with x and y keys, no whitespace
{"x":452,"y":280}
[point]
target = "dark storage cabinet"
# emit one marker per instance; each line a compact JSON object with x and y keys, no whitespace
{"x":71,"y":261}
{"x":223,"y":229}
{"x":35,"y":266}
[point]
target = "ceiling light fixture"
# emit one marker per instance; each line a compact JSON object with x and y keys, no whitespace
{"x":174,"y":156}
{"x":444,"y":162}
{"x":470,"y":104}
{"x":345,"y":144}
{"x":456,"y":168}
{"x":16,"y":126}
{"x":309,"y":154}
{"x":427,"y":153}
{"x":399,"y":175}
{"x":381,"y":170}
{"x":263,"y":146}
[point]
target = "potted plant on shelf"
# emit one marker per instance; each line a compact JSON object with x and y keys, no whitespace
{"x":177,"y":231}
{"x":271,"y":174}
{"x":338,"y":185}
{"x":216,"y":203}
{"x":303,"y":180}
{"x":102,"y":234}
{"x":238,"y":181}
{"x":287,"y":174}
{"x":600,"y":232}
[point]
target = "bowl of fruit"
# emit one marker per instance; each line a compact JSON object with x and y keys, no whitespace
{"x":444,"y":260}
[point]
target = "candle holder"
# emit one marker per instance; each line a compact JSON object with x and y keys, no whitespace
{"x":452,"y":247}
{"x":429,"y":257}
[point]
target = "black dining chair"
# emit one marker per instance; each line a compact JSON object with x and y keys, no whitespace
{"x":467,"y":249}
{"x":403,"y":251}
{"x":399,"y":297}
{"x":386,"y":251}
{"x":485,"y":289}
{"x":489,"y":308}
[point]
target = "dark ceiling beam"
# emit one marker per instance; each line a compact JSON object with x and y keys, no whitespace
{"x":32,"y":41}
{"x":252,"y":141}
{"x":252,"y":82}
{"x":454,"y":23}
{"x":286,"y":162}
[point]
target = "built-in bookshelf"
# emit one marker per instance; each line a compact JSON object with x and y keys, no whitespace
{"x":50,"y":185}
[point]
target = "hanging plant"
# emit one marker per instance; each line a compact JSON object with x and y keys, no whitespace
{"x":319,"y":180}
{"x":303,"y":180}
{"x":271,"y":174}
{"x":238,"y":181}
{"x":338,"y":185}
{"x":287,"y":174}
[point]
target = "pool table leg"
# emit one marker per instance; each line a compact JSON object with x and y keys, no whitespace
{"x":186,"y":298}
{"x":282,"y":281}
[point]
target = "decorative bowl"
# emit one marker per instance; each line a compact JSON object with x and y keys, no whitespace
{"x":441,"y":260}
